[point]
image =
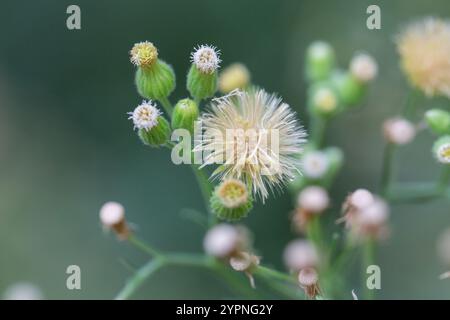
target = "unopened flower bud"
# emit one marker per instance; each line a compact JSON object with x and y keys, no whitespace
{"x":235,"y":76}
{"x":224,"y":240}
{"x":202,"y":76}
{"x":399,"y":131}
{"x":112,"y":216}
{"x":441,"y":149}
{"x":300,"y":254}
{"x":438,"y":121}
{"x":185,"y":115}
{"x":363,"y":67}
{"x":308,"y":279}
{"x":323,"y":100}
{"x":231,"y":200}
{"x":154,"y":79}
{"x":350,"y":90}
{"x":153,"y":128}
{"x":320,"y":60}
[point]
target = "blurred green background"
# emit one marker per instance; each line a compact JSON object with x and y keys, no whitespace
{"x":66,"y":145}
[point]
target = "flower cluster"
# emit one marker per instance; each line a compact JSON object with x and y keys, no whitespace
{"x":256,"y":144}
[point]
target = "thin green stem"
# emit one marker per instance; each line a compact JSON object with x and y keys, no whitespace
{"x":132,"y":239}
{"x":444,"y":180}
{"x":139,"y":277}
{"x":206,"y":190}
{"x":274,"y":274}
{"x":318,"y":128}
{"x":387,"y":168}
{"x":368,"y":260}
{"x":167,"y":106}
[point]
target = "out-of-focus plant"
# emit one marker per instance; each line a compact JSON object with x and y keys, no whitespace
{"x":319,"y":260}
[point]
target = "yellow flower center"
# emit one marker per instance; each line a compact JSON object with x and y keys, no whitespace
{"x":232,"y":193}
{"x":143,"y":54}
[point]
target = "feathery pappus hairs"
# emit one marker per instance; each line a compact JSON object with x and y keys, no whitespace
{"x":256,"y":119}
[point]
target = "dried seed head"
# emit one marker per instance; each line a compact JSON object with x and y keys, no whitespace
{"x":308,"y":279}
{"x":244,"y":261}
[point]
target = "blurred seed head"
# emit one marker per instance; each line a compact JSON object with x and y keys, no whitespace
{"x":363,"y":67}
{"x":313,"y":199}
{"x":424,"y":49}
{"x":315,"y":164}
{"x":399,"y":131}
{"x":300,"y":254}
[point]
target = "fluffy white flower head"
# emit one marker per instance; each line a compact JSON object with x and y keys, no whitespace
{"x":361,"y":198}
{"x":145,"y":116}
{"x":255,"y":138}
{"x":206,"y":58}
{"x":424,"y":49}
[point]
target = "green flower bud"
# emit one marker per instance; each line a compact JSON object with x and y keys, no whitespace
{"x":231,"y":200}
{"x":320,"y":60}
{"x":185,"y":114}
{"x":202,"y":76}
{"x":323,"y":100}
{"x":155,"y":82}
{"x":350,"y":90}
{"x":201,"y":85}
{"x":438,"y":121}
{"x":441,"y":149}
{"x":154,"y":78}
{"x":153,"y":128}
